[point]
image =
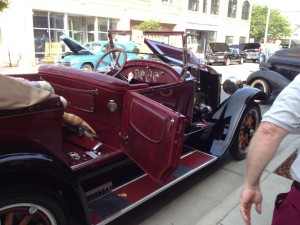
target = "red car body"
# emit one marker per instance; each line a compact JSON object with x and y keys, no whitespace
{"x":150,"y":134}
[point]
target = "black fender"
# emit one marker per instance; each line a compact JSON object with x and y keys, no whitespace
{"x":276,"y":81}
{"x":45,"y":171}
{"x":229,"y":116}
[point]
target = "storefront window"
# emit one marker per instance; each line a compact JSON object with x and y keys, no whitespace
{"x":91,"y":28}
{"x":40,"y":19}
{"x":47,"y":27}
{"x":57,"y":20}
{"x":105,"y":24}
{"x":113,"y":24}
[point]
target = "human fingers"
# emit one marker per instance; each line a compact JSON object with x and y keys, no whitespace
{"x":245,"y":209}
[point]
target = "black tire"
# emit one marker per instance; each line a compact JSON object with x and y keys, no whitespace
{"x":21,"y":202}
{"x":245,"y":131}
{"x":263,"y":85}
{"x":87,"y":66}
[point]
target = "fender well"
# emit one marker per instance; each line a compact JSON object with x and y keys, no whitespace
{"x":44,"y":171}
{"x":229,"y":116}
{"x":276,"y":80}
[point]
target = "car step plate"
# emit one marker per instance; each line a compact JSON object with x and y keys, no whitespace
{"x":132,"y":194}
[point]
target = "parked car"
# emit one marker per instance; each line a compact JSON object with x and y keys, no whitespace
{"x":120,"y":137}
{"x":221,"y":53}
{"x":277,"y":73}
{"x":86,"y":56}
{"x":251,"y":50}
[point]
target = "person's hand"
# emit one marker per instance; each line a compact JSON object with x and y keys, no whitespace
{"x":249,"y":196}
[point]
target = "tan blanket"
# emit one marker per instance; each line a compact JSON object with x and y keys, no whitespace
{"x":15,"y":94}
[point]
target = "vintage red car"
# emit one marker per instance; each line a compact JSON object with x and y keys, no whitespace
{"x":123,"y":135}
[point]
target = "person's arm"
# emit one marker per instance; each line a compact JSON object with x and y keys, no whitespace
{"x":262,"y":148}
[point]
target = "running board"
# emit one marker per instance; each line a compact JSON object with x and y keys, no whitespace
{"x":126,"y":197}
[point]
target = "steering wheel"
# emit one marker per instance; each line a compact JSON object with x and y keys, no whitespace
{"x":111,"y":62}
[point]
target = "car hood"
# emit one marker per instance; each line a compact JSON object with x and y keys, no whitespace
{"x":219,"y":47}
{"x":74,"y":45}
{"x":170,"y":54}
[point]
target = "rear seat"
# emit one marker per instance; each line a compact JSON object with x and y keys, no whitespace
{"x":88,"y":98}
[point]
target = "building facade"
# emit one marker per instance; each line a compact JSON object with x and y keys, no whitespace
{"x":30,"y":30}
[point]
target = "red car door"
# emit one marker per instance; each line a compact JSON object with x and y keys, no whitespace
{"x":154,"y":135}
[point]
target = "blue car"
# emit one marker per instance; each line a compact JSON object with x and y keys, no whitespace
{"x":86,"y":56}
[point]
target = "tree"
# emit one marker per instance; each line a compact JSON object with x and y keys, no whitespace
{"x":3,"y":4}
{"x":279,"y":26}
{"x":148,"y":25}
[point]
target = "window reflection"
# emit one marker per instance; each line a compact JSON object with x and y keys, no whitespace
{"x":245,"y":10}
{"x":193,"y":5}
{"x":204,"y":9}
{"x":214,"y":9}
{"x":232,"y":5}
{"x":49,"y":26}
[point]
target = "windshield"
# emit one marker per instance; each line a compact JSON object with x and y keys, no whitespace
{"x":134,"y":41}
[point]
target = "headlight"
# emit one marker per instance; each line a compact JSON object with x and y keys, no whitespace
{"x":231,"y":84}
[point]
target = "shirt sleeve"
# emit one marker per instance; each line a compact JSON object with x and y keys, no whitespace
{"x":285,"y":111}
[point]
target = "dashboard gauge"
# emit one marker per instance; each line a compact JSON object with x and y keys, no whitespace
{"x":136,"y":74}
{"x":130,"y":76}
{"x":142,"y":74}
{"x":149,"y":75}
{"x":155,"y":76}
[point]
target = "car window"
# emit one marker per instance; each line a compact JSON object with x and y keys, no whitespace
{"x":233,"y":51}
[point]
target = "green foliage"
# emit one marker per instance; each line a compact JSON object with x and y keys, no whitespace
{"x":3,"y":4}
{"x":279,"y":26}
{"x":148,"y":25}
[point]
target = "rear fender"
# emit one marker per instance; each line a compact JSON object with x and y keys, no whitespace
{"x":276,"y":80}
{"x":229,"y":116}
{"x":45,"y":171}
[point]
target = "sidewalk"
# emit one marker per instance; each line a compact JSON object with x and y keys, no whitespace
{"x":227,"y":213}
{"x":214,"y":199}
{"x":18,"y":69}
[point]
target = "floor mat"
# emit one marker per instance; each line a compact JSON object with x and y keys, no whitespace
{"x":108,"y":205}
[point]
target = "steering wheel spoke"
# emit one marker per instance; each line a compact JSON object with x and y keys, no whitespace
{"x":112,"y":62}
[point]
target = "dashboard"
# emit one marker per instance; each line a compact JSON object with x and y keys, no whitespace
{"x":150,"y":72}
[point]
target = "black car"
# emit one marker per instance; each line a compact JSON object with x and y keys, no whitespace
{"x":221,"y":53}
{"x":250,"y":50}
{"x":281,"y":68}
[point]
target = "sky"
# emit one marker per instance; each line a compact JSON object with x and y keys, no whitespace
{"x":288,"y":8}
{"x":287,"y":5}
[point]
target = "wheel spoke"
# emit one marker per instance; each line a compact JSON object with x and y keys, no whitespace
{"x":9,"y":219}
{"x":26,"y":219}
{"x":105,"y":63}
{"x":118,"y":56}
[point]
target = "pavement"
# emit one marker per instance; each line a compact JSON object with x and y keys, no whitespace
{"x":23,"y":68}
{"x":227,"y":212}
{"x":212,"y":197}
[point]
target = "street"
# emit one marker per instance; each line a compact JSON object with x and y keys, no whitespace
{"x":236,"y":70}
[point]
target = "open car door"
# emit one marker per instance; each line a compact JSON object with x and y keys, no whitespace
{"x":154,"y":135}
